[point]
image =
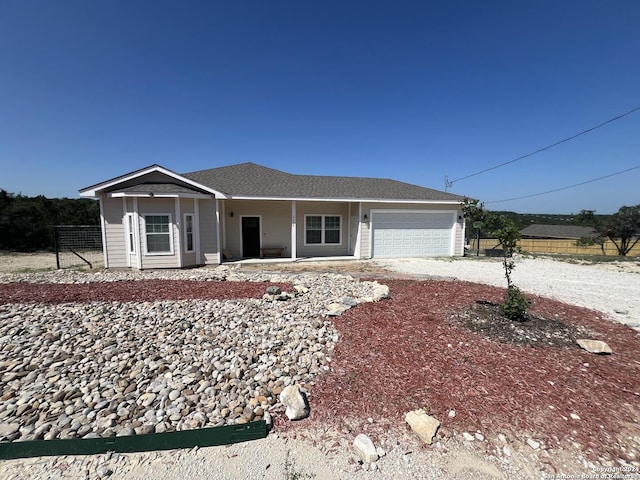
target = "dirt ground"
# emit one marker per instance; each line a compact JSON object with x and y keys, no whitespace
{"x":12,"y":262}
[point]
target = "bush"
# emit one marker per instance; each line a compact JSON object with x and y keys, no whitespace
{"x":515,"y":305}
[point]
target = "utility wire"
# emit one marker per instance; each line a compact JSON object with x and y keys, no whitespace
{"x":449,"y":183}
{"x":566,"y":188}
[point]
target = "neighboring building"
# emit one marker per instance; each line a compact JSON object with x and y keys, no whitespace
{"x":571,"y":232}
{"x":156,"y":218}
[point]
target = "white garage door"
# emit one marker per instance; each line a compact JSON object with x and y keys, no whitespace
{"x":411,"y":234}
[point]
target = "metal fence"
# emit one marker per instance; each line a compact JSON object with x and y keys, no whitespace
{"x":78,"y":245}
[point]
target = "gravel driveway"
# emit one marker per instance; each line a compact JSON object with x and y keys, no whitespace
{"x":612,"y":288}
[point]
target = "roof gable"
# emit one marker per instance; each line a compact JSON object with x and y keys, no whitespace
{"x":153,"y":174}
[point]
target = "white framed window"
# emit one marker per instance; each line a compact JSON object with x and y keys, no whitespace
{"x":158,"y":234}
{"x":131,"y":238}
{"x":322,"y":229}
{"x":189,"y":245}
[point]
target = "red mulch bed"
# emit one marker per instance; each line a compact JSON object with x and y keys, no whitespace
{"x":413,"y":351}
{"x":410,"y":352}
{"x":131,"y":291}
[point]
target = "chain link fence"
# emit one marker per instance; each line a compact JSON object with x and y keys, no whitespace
{"x":78,"y":246}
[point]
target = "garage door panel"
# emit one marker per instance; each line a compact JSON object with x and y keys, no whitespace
{"x":411,"y":234}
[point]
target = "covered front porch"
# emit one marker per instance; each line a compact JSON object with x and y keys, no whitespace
{"x":291,"y":230}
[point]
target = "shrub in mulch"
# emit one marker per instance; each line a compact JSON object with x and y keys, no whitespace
{"x":131,"y":291}
{"x":429,"y":347}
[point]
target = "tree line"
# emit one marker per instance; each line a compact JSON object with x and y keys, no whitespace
{"x":26,"y":223}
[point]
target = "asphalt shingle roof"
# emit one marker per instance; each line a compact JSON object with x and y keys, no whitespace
{"x":249,"y":179}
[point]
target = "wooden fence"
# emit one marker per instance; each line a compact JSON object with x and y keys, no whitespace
{"x":550,"y":245}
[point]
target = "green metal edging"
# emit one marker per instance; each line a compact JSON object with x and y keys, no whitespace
{"x":204,"y":437}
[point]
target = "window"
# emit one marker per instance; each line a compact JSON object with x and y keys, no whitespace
{"x":157,"y":229}
{"x":131,"y":242}
{"x":322,"y":229}
{"x":313,"y":229}
{"x":188,"y":232}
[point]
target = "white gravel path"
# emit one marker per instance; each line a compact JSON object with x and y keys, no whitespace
{"x":612,"y":288}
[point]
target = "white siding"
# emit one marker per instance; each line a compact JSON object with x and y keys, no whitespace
{"x":208,"y":232}
{"x":114,"y":232}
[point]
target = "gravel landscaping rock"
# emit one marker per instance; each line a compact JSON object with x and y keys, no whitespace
{"x":119,"y":368}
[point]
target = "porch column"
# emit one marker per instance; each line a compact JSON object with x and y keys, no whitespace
{"x":218,"y":230}
{"x":196,"y":230}
{"x":103,"y":230}
{"x":358,"y":250}
{"x":179,"y":232}
{"x":349,"y":249}
{"x":136,"y":233}
{"x":294,"y":236}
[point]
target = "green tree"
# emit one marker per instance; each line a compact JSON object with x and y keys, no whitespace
{"x":26,"y":223}
{"x":622,"y":228}
{"x":514,"y":305}
{"x":588,"y":218}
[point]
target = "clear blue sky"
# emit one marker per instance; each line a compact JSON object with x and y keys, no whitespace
{"x":410,"y":90}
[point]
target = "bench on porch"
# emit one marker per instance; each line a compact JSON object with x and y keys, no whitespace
{"x":271,"y":252}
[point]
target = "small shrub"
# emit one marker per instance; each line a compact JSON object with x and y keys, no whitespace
{"x":515,"y":305}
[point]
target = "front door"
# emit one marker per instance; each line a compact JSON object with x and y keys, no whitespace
{"x":250,"y":237}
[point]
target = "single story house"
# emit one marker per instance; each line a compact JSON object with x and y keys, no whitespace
{"x":156,"y":218}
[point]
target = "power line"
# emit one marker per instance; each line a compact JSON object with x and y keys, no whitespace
{"x":449,"y":183}
{"x":566,"y":188}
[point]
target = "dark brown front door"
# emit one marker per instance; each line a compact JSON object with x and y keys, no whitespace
{"x":250,"y":237}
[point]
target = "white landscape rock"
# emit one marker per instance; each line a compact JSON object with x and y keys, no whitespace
{"x":380,"y":291}
{"x":7,"y":429}
{"x":295,"y":402}
{"x":365,"y":449}
{"x":594,"y":346}
{"x":425,"y":426}
{"x":335,"y":309}
{"x":533,"y":443}
{"x":468,"y":437}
